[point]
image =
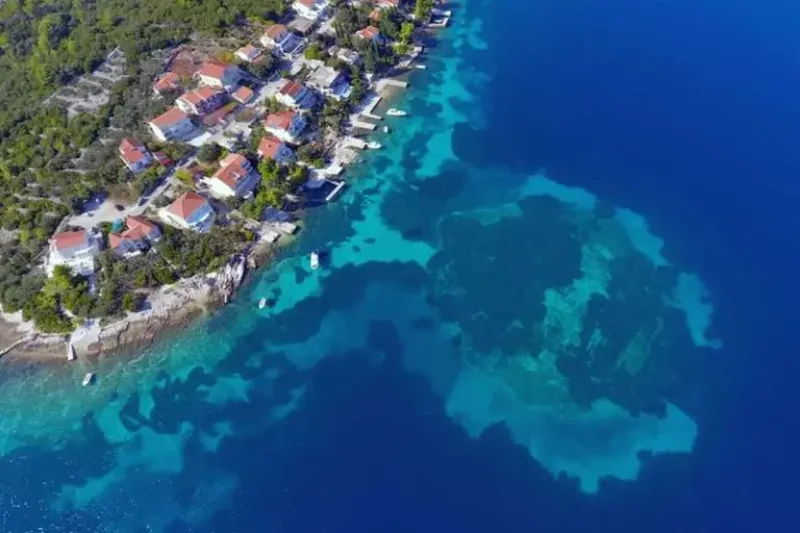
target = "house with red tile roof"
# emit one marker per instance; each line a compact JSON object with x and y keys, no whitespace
{"x":135,"y":155}
{"x":275,"y":149}
{"x":386,"y":4}
{"x":310,"y":9}
{"x":173,"y":125}
{"x":295,"y":94}
{"x":75,"y":249}
{"x":279,"y":38}
{"x":243,"y":94}
{"x":169,"y":81}
{"x":219,"y":74}
{"x":140,"y":234}
{"x":201,"y":101}
{"x":190,"y":211}
{"x":248,"y":53}
{"x":236,"y":177}
{"x":285,"y":125}
{"x":371,"y":34}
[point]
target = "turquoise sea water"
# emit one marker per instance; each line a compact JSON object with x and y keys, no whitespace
{"x":485,"y":348}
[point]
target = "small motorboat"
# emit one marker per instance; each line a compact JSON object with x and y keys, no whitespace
{"x":314,"y":260}
{"x":70,"y":352}
{"x":394,"y":112}
{"x":262,"y":303}
{"x":88,"y":379}
{"x":374,"y":145}
{"x":420,"y":67}
{"x":386,"y":129}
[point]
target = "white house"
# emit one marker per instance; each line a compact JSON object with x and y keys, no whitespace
{"x":135,"y":155}
{"x":285,"y":125}
{"x":235,"y":177}
{"x":310,"y":9}
{"x":75,"y":249}
{"x":248,"y":53}
{"x":280,"y":38}
{"x":218,"y":74}
{"x":173,"y":125}
{"x":201,"y":101}
{"x":275,"y":149}
{"x":351,"y":57}
{"x":139,"y":235}
{"x":329,"y":82}
{"x":295,"y":94}
{"x":190,"y":211}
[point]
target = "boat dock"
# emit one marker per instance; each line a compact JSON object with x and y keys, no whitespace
{"x":358,"y":123}
{"x":367,"y":112}
{"x":336,"y":190}
{"x":391,"y":83}
{"x":285,"y":227}
{"x":441,"y":18}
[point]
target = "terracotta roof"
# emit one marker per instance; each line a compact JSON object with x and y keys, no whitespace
{"x":308,"y":3}
{"x":213,"y":69}
{"x":132,"y":151}
{"x":292,"y":88}
{"x":242,"y":94}
{"x":138,"y":229}
{"x":368,"y":33}
{"x":200,"y":95}
{"x":268,"y":147}
{"x":275,"y":31}
{"x":281,"y":120}
{"x":232,"y":169}
{"x":173,"y":115}
{"x":248,"y":50}
{"x":70,"y":239}
{"x":167,"y":82}
{"x":186,"y":204}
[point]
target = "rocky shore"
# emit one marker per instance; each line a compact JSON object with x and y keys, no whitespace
{"x":170,"y":309}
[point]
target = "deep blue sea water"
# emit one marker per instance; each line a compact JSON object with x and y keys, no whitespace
{"x":445,"y":371}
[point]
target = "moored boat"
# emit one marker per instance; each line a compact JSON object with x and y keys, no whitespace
{"x":374,"y":145}
{"x":394,"y":112}
{"x":262,"y":303}
{"x":314,"y":260}
{"x":88,"y":379}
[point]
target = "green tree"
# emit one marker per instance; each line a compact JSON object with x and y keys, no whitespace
{"x":313,"y":51}
{"x":209,"y":153}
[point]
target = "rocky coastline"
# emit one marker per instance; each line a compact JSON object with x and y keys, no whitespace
{"x":171,"y":310}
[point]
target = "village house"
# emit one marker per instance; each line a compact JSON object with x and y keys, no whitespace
{"x":139,"y":235}
{"x":295,"y":94}
{"x":75,"y":249}
{"x":329,"y":82}
{"x":235,"y":177}
{"x":218,"y":74}
{"x":371,"y":34}
{"x":310,"y":9}
{"x":190,"y":211}
{"x":275,"y":149}
{"x":280,"y":39}
{"x":248,"y":53}
{"x":285,"y":125}
{"x":167,"y":82}
{"x":135,"y":155}
{"x":351,"y":57}
{"x":243,"y":94}
{"x":201,"y":101}
{"x":173,"y":125}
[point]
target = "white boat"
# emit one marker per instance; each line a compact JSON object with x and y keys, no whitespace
{"x":314,"y":260}
{"x":70,"y":352}
{"x":88,"y":379}
{"x":262,"y":303}
{"x":374,"y":145}
{"x":394,"y":112}
{"x":420,"y":67}
{"x":386,"y":129}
